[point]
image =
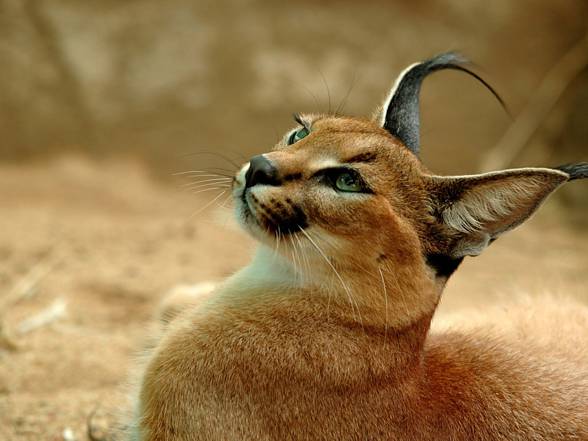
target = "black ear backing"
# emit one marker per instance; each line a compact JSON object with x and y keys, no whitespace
{"x":400,"y":114}
{"x":575,"y":171}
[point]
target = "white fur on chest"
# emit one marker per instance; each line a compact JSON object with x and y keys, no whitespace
{"x":267,"y":273}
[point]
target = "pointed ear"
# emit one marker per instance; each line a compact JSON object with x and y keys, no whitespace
{"x":475,"y":210}
{"x":400,"y":112}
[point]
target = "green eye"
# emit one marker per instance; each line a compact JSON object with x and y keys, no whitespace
{"x":298,"y":135}
{"x":348,"y":181}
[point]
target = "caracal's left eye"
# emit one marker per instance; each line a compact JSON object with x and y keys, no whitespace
{"x":348,"y":181}
{"x":298,"y":135}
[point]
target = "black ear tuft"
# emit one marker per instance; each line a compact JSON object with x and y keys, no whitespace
{"x":575,"y":171}
{"x":401,"y":111}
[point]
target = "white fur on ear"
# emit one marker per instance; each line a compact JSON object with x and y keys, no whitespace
{"x":473,"y":246}
{"x":482,"y":207}
{"x":490,"y":204}
{"x":384,"y":111}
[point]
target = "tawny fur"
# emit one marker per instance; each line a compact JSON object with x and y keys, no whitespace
{"x":326,"y":334}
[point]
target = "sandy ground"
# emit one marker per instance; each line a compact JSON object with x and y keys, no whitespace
{"x":106,"y":242}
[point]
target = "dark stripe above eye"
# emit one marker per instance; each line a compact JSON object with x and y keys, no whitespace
{"x":362,"y":157}
{"x":292,"y":177}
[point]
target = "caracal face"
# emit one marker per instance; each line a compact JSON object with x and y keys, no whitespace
{"x":345,"y":183}
{"x":357,"y":187}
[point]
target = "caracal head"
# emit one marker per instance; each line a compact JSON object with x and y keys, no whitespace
{"x":351,"y":193}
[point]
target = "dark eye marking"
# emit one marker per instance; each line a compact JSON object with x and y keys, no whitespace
{"x":292,"y":177}
{"x":363,"y":157}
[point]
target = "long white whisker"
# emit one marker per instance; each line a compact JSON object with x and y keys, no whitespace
{"x":216,"y":198}
{"x":303,"y":255}
{"x":345,"y":287}
{"x":277,"y":246}
{"x":225,"y":200}
{"x":399,"y":290}
{"x":294,"y":262}
{"x":385,"y":304}
{"x":349,"y":291}
{"x":298,"y":256}
{"x":200,"y":173}
{"x":197,"y":185}
{"x":208,"y":180}
{"x":208,"y":189}
{"x":195,"y":177}
{"x":297,"y":265}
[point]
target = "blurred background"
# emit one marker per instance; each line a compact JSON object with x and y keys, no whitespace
{"x":102,"y":102}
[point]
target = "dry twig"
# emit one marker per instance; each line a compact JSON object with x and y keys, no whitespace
{"x":24,"y":288}
{"x":48,"y":315}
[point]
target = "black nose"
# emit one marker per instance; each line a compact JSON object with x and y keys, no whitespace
{"x":261,"y":171}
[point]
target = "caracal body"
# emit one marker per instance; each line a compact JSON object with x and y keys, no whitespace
{"x":326,"y":335}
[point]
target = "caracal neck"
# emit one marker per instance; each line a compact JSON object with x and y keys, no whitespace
{"x":267,"y":274}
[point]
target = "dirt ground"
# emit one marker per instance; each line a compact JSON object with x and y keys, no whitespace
{"x":99,"y":244}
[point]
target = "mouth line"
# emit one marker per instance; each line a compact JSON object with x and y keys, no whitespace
{"x":244,"y":197}
{"x":247,"y":211}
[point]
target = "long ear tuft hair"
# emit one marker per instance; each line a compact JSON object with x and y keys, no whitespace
{"x":575,"y":171}
{"x":400,"y":115}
